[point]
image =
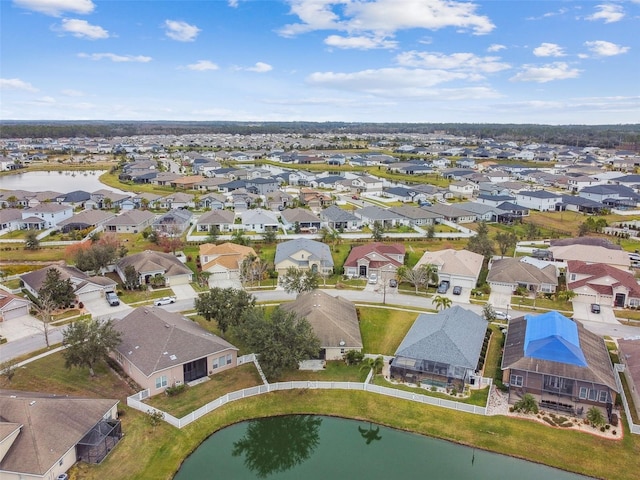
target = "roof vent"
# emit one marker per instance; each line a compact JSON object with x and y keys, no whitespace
{"x":173,"y":357}
{"x":32,"y":403}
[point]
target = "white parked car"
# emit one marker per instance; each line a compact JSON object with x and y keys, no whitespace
{"x":373,"y":278}
{"x":502,"y":315}
{"x":164,"y":301}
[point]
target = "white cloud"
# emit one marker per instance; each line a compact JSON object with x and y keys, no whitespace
{"x":359,"y":42}
{"x":549,"y":50}
{"x":384,"y":17}
{"x":69,"y":92}
{"x":608,"y":12}
{"x":16,"y":84}
{"x":233,"y":3}
{"x":181,"y":31}
{"x":455,"y":61}
{"x":602,"y":48}
{"x":56,"y":8}
{"x":202,"y":66}
{"x":496,"y":47}
{"x":390,"y":82}
{"x":83,"y":29}
{"x":545,"y":73}
{"x":260,"y":67}
{"x":115,"y":58}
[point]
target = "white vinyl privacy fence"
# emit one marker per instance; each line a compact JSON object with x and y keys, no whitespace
{"x":619,"y":368}
{"x":136,"y":401}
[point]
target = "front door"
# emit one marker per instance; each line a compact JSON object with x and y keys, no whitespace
{"x":619,"y":301}
{"x":195,"y":370}
{"x":363,"y":270}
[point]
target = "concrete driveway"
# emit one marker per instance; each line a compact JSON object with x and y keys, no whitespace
{"x":500,"y":297}
{"x":184,"y":292}
{"x":100,"y":308}
{"x":582,"y":311}
{"x":233,"y":282}
{"x":20,"y":327}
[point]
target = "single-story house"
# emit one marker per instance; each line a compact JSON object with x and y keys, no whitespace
{"x":85,"y":219}
{"x":590,"y":250}
{"x":334,"y":321}
{"x":450,"y":213}
{"x":161,"y":349}
{"x":379,"y":258}
{"x":174,"y":222}
{"x":151,"y":263}
{"x":260,"y":221}
{"x":307,"y":221}
{"x":12,"y":306}
{"x":303,"y":254}
{"x":223,"y":261}
{"x":458,"y":267}
{"x":85,"y":287}
{"x":44,"y":435}
{"x":562,"y":364}
{"x":371,"y":214}
{"x":441,"y":349}
{"x":338,"y":219}
{"x":514,"y":272}
{"x":222,"y":220}
{"x":130,"y":221}
{"x":415,"y":216}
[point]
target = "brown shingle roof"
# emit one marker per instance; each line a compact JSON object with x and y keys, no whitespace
{"x":151,"y":261}
{"x":333,"y":319}
{"x":154,"y":339}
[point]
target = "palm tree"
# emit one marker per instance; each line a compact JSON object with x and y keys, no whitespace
{"x":374,"y":364}
{"x":441,"y":302}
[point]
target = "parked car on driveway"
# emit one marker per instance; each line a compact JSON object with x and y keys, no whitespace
{"x":502,"y":315}
{"x":164,"y":301}
{"x":112,"y":299}
{"x":443,"y":287}
{"x":393,"y":283}
{"x":595,"y":308}
{"x":373,"y":278}
{"x":457,"y":290}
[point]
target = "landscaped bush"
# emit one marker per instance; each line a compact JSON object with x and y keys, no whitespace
{"x":176,"y":389}
{"x":527,"y":404}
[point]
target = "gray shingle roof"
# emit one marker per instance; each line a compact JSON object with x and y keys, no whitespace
{"x":318,"y":250}
{"x":453,"y":336}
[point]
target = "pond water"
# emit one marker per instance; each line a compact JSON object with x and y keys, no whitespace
{"x":62,"y":181}
{"x":314,"y":447}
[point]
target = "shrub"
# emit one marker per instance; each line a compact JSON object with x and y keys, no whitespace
{"x":353,"y":357}
{"x":176,"y":389}
{"x":527,"y":404}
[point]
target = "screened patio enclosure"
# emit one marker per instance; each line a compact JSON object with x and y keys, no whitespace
{"x":428,"y":372}
{"x":100,"y":440}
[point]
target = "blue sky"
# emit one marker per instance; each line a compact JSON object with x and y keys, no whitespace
{"x":502,"y":61}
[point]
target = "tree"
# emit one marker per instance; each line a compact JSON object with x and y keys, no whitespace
{"x":375,"y":364}
{"x":55,"y":291}
{"x":95,"y":258}
{"x":8,"y":369}
{"x":596,"y":417}
{"x":527,"y":404}
{"x":377,"y":231}
{"x":506,"y":240}
{"x":269,"y":236}
{"x":31,"y":241}
{"x":172,"y":241}
{"x":565,"y":295}
{"x":488,"y":312}
{"x":441,"y":302}
{"x":281,"y":341}
{"x":299,"y":281}
{"x":481,"y":243}
{"x":418,"y":277}
{"x":430,"y":231}
{"x":131,"y":278}
{"x":531,"y":231}
{"x":239,"y":238}
{"x":88,"y":343}
{"x":214,"y":233}
{"x":224,"y":305}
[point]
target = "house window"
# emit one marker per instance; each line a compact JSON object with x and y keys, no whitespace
{"x":593,"y":394}
{"x":161,"y":381}
{"x":119,"y":358}
{"x":229,"y":358}
{"x":604,"y":396}
{"x":583,"y":393}
{"x":516,"y":380}
{"x":573,"y":277}
{"x":215,"y":363}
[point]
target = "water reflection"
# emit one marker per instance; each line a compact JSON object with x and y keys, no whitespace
{"x":370,"y":434}
{"x":272,"y":445}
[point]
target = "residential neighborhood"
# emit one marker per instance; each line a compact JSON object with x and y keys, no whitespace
{"x":478,"y":275}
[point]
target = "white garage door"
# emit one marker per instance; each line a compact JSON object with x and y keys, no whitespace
{"x":15,"y":312}
{"x":88,"y":296}
{"x":178,"y":280}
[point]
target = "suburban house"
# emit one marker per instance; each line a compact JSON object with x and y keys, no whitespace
{"x":85,"y":219}
{"x":44,"y":435}
{"x":130,"y":221}
{"x":85,"y":287}
{"x":220,"y":220}
{"x":613,"y":196}
{"x":11,"y":219}
{"x":161,"y":349}
{"x":13,"y":306}
{"x":334,"y":321}
{"x":212,"y":201}
{"x":450,"y":213}
{"x":602,"y":283}
{"x":223,"y":261}
{"x":106,"y":199}
{"x":416,"y":216}
{"x":47,"y":215}
{"x":562,"y":364}
{"x":303,"y":254}
{"x":379,"y":258}
{"x":371,"y":214}
{"x":338,"y":219}
{"x":150,"y":264}
{"x":590,"y":250}
{"x":458,"y":267}
{"x":301,"y":218}
{"x":262,"y":186}
{"x":260,"y":221}
{"x":367,"y":184}
{"x":540,"y":200}
{"x":174,"y":222}
{"x":177,"y":200}
{"x":441,"y":350}
{"x":630,"y":357}
{"x":278,"y":200}
{"x":515,"y":272}
{"x":463,"y":188}
{"x":314,"y":200}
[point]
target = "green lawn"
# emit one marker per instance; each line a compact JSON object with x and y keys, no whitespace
{"x":383,"y":329}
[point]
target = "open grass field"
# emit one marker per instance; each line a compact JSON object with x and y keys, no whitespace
{"x":383,"y":329}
